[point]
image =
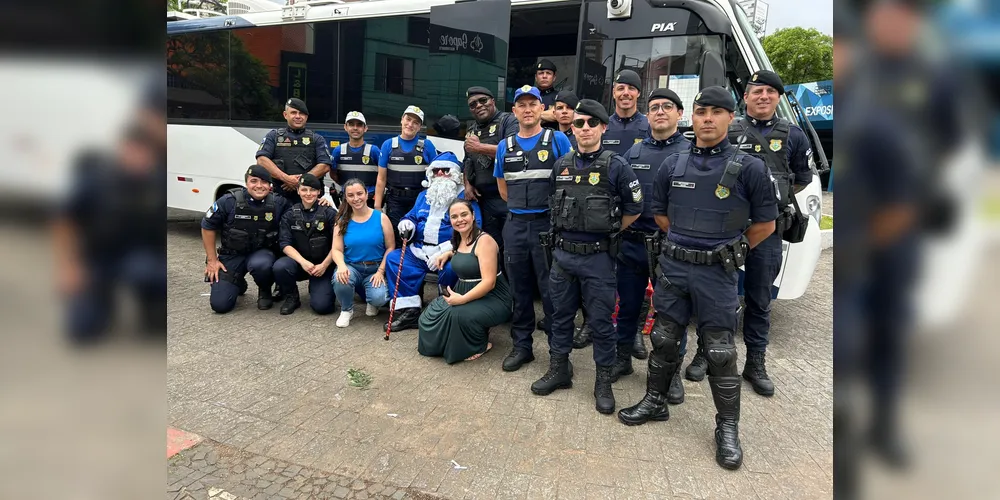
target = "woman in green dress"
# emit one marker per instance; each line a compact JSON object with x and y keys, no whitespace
{"x":456,"y":325}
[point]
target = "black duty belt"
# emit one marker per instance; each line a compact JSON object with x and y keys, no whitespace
{"x":633,"y":235}
{"x":731,"y":255}
{"x":529,"y":216}
{"x":702,"y":257}
{"x":584,"y":248}
{"x":409,"y":193}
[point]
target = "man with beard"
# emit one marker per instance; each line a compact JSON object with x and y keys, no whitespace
{"x":289,"y":152}
{"x":523,"y":165}
{"x":627,"y":125}
{"x":645,"y":158}
{"x":356,"y":159}
{"x":427,"y":231}
{"x":401,"y":167}
{"x":481,"y":139}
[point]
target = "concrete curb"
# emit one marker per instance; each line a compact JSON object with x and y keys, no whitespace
{"x":826,"y":238}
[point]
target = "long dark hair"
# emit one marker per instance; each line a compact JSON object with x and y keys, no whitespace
{"x":456,"y":238}
{"x":345,"y":212}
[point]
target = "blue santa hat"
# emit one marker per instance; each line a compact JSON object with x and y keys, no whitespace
{"x":443,"y":161}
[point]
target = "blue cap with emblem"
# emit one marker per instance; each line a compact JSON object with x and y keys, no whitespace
{"x":527,"y":90}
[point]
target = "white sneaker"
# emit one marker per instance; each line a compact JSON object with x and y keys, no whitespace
{"x":345,"y":319}
{"x":371,"y":310}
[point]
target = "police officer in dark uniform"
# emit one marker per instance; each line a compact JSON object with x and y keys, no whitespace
{"x":402,"y":165}
{"x":563,"y":112}
{"x":595,"y":196}
{"x":628,"y":126}
{"x":783,"y":147}
{"x":645,"y":158}
{"x":248,"y":218}
{"x":522,"y":169}
{"x":702,"y":199}
{"x":356,"y":159}
{"x":545,"y":80}
{"x":306,"y":237}
{"x":481,"y":138}
{"x":289,"y":152}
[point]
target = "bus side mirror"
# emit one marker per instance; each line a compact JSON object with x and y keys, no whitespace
{"x":713,"y":71}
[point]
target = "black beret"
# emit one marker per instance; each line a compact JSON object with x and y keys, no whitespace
{"x":715,"y":96}
{"x":568,"y":97}
{"x":769,"y":78}
{"x":298,"y":104}
{"x":477,"y":91}
{"x":447,"y":125}
{"x":665,"y":94}
{"x":592,"y":108}
{"x":545,"y":64}
{"x":258,"y":172}
{"x":629,"y":77}
{"x":310,"y":180}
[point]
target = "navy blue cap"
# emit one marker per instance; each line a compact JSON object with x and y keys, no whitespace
{"x":298,"y":104}
{"x":665,"y":94}
{"x":258,"y":172}
{"x":629,"y":77}
{"x":529,"y":90}
{"x":310,"y":180}
{"x":769,"y":78}
{"x":592,"y":108}
{"x":715,"y":96}
{"x":568,"y":97}
{"x":545,"y":64}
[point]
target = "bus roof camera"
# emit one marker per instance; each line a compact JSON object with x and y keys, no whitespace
{"x":619,"y":9}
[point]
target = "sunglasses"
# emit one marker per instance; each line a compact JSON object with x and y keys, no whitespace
{"x":592,"y":122}
{"x":478,"y":102}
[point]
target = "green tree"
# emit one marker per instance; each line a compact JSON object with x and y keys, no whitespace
{"x":800,"y":55}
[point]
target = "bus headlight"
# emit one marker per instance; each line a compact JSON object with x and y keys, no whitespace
{"x":814,"y":207}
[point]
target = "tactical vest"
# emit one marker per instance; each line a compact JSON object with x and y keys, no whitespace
{"x":296,"y":156}
{"x":359,"y":165}
{"x":705,"y":203}
{"x":645,"y":160}
{"x":619,"y":141}
{"x":481,"y":174}
{"x":313,"y":239}
{"x":527,"y":173}
{"x":582,"y":201}
{"x":773,"y":152}
{"x":406,"y":170}
{"x":253,"y":227}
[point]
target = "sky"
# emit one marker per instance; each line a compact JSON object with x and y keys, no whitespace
{"x":805,"y":13}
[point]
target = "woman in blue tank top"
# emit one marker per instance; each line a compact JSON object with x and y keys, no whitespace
{"x":362,"y":239}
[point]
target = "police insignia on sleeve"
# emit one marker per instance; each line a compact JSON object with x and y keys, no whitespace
{"x":543,"y":155}
{"x":775,"y":145}
{"x":636,"y":195}
{"x":365,"y":159}
{"x":305,"y":141}
{"x":721,"y":192}
{"x":268,"y":216}
{"x":595,"y":177}
{"x":418,"y":159}
{"x":319,"y":226}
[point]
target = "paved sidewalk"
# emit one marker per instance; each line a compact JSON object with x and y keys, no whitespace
{"x":262,"y":388}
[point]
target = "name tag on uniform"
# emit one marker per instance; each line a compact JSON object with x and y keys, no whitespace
{"x":283,"y":144}
{"x":238,"y":216}
{"x":395,"y":158}
{"x":682,"y":184}
{"x":347,"y":158}
{"x":512,"y":159}
{"x":640,"y":166}
{"x":746,"y":146}
{"x":611,"y":141}
{"x":297,"y":227}
{"x":563,"y":178}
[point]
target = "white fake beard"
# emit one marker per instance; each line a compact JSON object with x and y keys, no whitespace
{"x":442,"y":191}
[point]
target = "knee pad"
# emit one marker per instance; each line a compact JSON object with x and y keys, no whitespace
{"x":720,"y":351}
{"x":666,"y":339}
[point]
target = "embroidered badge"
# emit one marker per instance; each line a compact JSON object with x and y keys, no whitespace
{"x":595,"y":177}
{"x":721,"y":192}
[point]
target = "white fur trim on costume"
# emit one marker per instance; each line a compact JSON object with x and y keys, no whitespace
{"x":407,"y":302}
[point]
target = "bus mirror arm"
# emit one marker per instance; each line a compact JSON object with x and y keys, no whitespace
{"x":817,"y":147}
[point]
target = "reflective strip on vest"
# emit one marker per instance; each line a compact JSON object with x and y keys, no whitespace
{"x":527,"y":174}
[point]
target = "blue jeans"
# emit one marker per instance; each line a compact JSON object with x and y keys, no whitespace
{"x":360,"y":281}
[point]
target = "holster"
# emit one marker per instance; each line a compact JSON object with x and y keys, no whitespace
{"x":652,"y":243}
{"x":546,"y":240}
{"x":734,"y":254}
{"x":791,"y":224}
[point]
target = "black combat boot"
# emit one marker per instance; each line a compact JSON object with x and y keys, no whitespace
{"x":517,"y":358}
{"x":726,"y":393}
{"x":292,"y":302}
{"x":623,"y":362}
{"x":403,"y":319}
{"x":581,"y":337}
{"x":756,"y":374}
{"x":602,"y":390}
{"x":695,"y":371}
{"x":652,"y":406}
{"x":559,"y":376}
{"x":639,"y":347}
{"x":264,"y":298}
{"x":675,"y":394}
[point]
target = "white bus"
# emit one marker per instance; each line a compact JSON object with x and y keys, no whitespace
{"x":228,"y":76}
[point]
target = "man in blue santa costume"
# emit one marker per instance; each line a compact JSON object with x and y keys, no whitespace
{"x":427,"y":231}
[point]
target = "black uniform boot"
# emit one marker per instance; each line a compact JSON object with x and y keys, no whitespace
{"x":726,"y":393}
{"x":756,"y":374}
{"x":559,"y":376}
{"x":292,"y":302}
{"x":581,"y":337}
{"x":652,"y":406}
{"x":403,"y":319}
{"x":623,"y":362}
{"x":675,"y":394}
{"x":516,"y":359}
{"x":639,"y":347}
{"x":264,"y":298}
{"x":602,"y":390}
{"x":695,"y":371}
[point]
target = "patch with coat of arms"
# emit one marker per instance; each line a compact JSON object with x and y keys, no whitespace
{"x":721,"y":192}
{"x":418,"y":159}
{"x":319,"y":226}
{"x":305,"y":141}
{"x":543,"y":155}
{"x":595,"y":177}
{"x":775,"y":145}
{"x":365,"y":159}
{"x":268,"y":216}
